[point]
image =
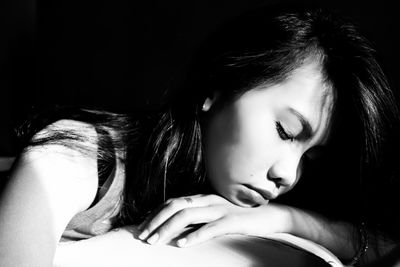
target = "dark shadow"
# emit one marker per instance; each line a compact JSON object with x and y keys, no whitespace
{"x":267,"y":252}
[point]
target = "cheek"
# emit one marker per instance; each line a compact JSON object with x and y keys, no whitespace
{"x":240,"y":148}
{"x":257,"y":139}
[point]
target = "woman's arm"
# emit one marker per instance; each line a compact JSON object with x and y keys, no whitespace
{"x":48,"y":186}
{"x":344,"y":239}
{"x":221,"y":217}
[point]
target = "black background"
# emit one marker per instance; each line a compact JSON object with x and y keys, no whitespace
{"x":124,"y":54}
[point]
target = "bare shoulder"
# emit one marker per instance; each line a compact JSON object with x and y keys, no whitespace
{"x":62,"y":165}
{"x":48,"y":185}
{"x":84,"y":133}
{"x":73,"y":127}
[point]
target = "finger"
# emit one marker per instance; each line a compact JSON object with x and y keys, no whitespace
{"x":172,"y":206}
{"x":174,"y":225}
{"x":194,"y":200}
{"x":151,"y":215}
{"x":166,"y":211}
{"x":209,"y":231}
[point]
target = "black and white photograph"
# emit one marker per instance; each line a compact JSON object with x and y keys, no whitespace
{"x":237,"y":133}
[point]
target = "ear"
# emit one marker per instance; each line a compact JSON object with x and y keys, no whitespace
{"x":209,"y":102}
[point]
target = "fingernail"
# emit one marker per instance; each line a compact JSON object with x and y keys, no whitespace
{"x":153,"y":239}
{"x":182,"y":242}
{"x":143,"y":235}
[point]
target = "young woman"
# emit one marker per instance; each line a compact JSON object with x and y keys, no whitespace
{"x":275,"y":87}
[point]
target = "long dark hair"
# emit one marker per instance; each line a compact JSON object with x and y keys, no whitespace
{"x":164,"y":152}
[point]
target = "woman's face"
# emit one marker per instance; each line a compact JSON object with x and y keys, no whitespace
{"x":254,"y":145}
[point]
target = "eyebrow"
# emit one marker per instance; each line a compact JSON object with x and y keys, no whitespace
{"x":307,"y":132}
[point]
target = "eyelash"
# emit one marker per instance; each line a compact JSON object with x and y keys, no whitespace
{"x":283,"y":134}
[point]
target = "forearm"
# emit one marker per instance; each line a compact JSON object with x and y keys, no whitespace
{"x":341,"y":238}
{"x":335,"y":236}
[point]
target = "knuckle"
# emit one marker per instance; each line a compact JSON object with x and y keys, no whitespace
{"x":165,"y":229}
{"x":208,"y":227}
{"x":196,"y":235}
{"x":175,"y":204}
{"x":170,"y":200}
{"x":169,"y":227}
{"x":178,"y":201}
{"x":205,"y":232}
{"x":182,"y":214}
{"x":151,"y":225}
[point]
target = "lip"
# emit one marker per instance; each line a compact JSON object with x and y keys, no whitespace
{"x":267,"y":195}
{"x":249,"y":197}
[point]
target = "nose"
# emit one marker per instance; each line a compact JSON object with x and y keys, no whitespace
{"x":285,"y":170}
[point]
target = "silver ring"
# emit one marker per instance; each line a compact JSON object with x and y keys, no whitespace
{"x":188,"y":200}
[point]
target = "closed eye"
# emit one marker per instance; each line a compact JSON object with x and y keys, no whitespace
{"x":283,"y":134}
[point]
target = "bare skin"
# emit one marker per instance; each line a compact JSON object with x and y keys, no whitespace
{"x":254,"y":148}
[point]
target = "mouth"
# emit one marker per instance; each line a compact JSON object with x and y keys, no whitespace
{"x":252,"y":197}
{"x":268,"y":195}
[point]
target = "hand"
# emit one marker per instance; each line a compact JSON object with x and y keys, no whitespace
{"x":219,"y":217}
